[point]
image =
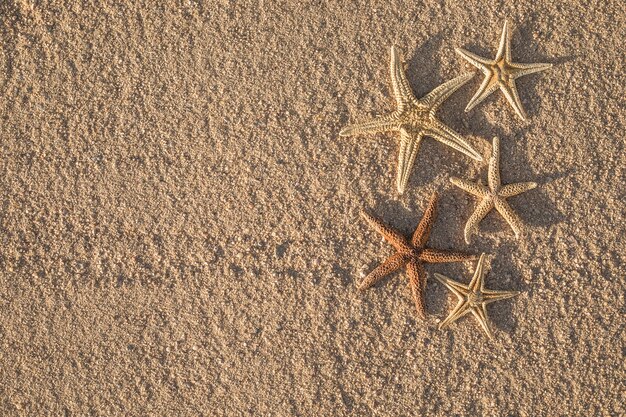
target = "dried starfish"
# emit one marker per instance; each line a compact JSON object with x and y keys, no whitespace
{"x":493,"y":196}
{"x":500,"y":73}
{"x":411,"y":253}
{"x":414,"y":119}
{"x":473,"y":298}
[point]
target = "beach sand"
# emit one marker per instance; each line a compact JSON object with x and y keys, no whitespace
{"x":179,"y":218}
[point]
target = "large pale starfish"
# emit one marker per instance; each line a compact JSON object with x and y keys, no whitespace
{"x":493,"y":196}
{"x":413,"y":254}
{"x":473,"y":298}
{"x":414,"y":119}
{"x":501,"y":73}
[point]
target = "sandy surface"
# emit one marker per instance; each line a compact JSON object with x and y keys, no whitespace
{"x":179,"y":218}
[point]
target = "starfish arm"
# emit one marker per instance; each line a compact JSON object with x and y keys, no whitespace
{"x":475,"y":60}
{"x":481,"y":315}
{"x":519,"y":70}
{"x":487,"y":87}
{"x":409,"y":145}
{"x":489,"y":296}
{"x":493,"y":175}
{"x":511,"y":190}
{"x":510,"y":216}
{"x":504,"y":49}
{"x":447,"y":136}
{"x":510,"y":92}
{"x":401,"y":88}
{"x":461,"y":309}
{"x":471,"y":227}
{"x":435,"y":98}
{"x":460,"y":290}
{"x":377,"y":125}
{"x":390,"y":235}
{"x":422,"y":231}
{"x":477,"y":282}
{"x":417,"y":282}
{"x":474,"y":188}
{"x":442,"y":256}
{"x":391,"y":264}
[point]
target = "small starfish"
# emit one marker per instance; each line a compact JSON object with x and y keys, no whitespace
{"x":473,"y":297}
{"x":414,"y":119}
{"x":500,"y":72}
{"x":411,"y":253}
{"x":493,"y":196}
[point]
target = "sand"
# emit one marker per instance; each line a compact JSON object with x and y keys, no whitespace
{"x":179,"y":217}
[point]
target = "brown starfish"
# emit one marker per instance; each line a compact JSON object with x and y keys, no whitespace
{"x":413,"y":254}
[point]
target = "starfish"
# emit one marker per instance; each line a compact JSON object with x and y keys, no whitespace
{"x":473,"y":298}
{"x":412,"y":254}
{"x":493,"y":196}
{"x":501,"y":73}
{"x":414,"y":119}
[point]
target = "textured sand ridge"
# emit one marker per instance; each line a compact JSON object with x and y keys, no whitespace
{"x":179,"y":228}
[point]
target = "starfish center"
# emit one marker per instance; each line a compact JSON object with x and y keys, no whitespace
{"x":501,"y":70}
{"x":475,"y":298}
{"x":418,"y":117}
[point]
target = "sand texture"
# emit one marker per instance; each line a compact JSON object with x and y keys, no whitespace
{"x":179,"y":217}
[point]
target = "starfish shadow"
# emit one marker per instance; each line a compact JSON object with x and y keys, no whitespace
{"x":534,"y":206}
{"x":405,"y":216}
{"x":431,"y":158}
{"x":504,"y":275}
{"x":439,"y":300}
{"x":422,"y":70}
{"x":397,"y":215}
{"x":541,"y":210}
{"x":476,"y":122}
{"x":527,"y":49}
{"x":451,"y":220}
